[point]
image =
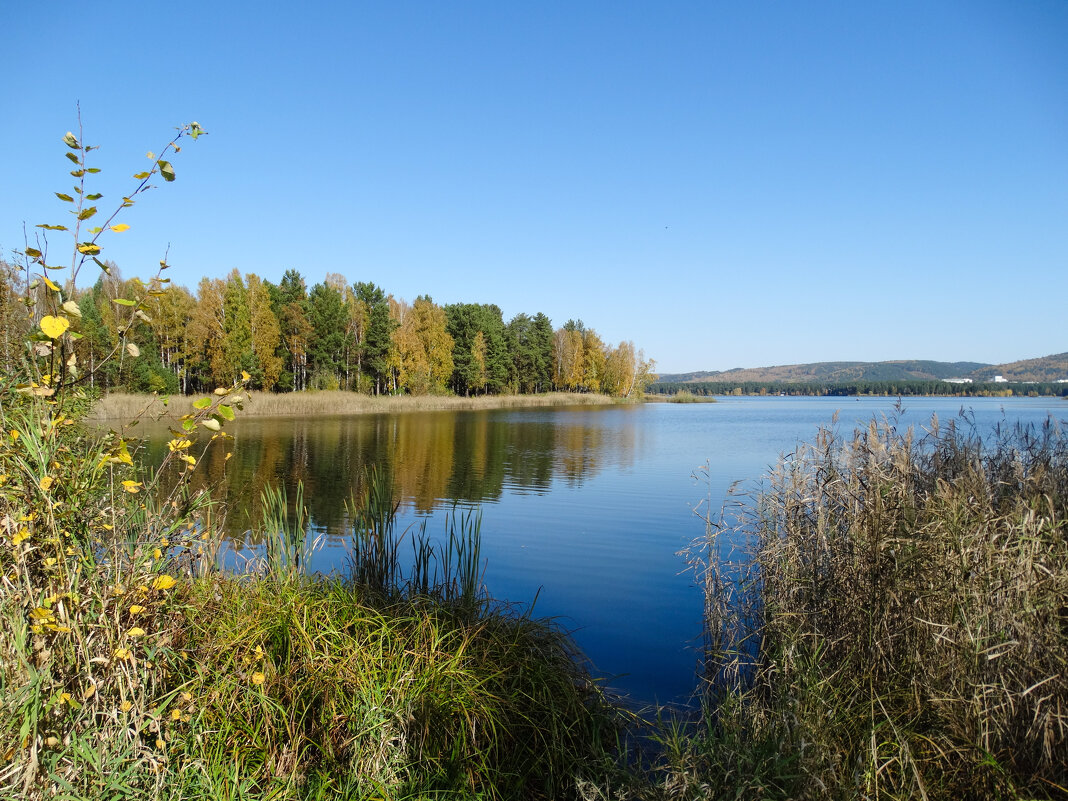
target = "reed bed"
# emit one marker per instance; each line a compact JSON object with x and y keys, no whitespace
{"x":682,"y":396}
{"x":125,"y":406}
{"x":888,"y":618}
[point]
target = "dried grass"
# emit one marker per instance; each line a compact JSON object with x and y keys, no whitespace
{"x":125,"y":406}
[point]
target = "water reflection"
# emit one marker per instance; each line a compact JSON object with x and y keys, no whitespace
{"x":433,"y":459}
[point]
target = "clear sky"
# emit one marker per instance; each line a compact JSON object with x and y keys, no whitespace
{"x":725,"y":183}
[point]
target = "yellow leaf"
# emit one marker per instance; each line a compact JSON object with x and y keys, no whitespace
{"x":123,"y":453}
{"x":20,"y":536}
{"x":245,"y":376}
{"x":133,"y":487}
{"x":258,"y":678}
{"x":164,"y":582}
{"x":54,"y":326}
{"x":51,"y":284}
{"x":136,"y":631}
{"x":136,"y":610}
{"x":125,"y":706}
{"x":122,"y":653}
{"x":120,"y":228}
{"x":88,"y":692}
{"x":47,"y":482}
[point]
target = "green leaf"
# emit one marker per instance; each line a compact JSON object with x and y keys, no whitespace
{"x":93,"y":170}
{"x":226,"y":412}
{"x":96,"y":229}
{"x":124,"y":302}
{"x":33,"y":253}
{"x":77,"y":173}
{"x":166,"y":170}
{"x":102,"y":266}
{"x":70,"y":141}
{"x":62,"y":196}
{"x":140,"y":176}
{"x":52,"y":227}
{"x":94,"y":196}
{"x":73,"y":157}
{"x":85,"y":214}
{"x":189,"y":425}
{"x":202,"y":403}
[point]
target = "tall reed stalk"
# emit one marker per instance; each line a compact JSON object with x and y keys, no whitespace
{"x":449,"y":570}
{"x":286,"y":535}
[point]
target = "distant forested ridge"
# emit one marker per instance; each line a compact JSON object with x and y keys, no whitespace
{"x":892,"y":388}
{"x":333,"y":335}
{"x":906,"y":377}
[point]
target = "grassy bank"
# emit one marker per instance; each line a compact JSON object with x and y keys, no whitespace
{"x":889,"y":619}
{"x":125,"y":406}
{"x":132,"y":668}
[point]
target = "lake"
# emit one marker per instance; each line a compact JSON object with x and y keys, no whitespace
{"x":584,"y":509}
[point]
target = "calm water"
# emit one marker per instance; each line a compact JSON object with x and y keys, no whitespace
{"x":584,"y":509}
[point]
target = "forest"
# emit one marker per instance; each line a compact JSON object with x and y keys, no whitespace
{"x":335,"y":335}
{"x":853,"y":388}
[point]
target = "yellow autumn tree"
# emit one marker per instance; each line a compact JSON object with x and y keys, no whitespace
{"x":593,"y":361}
{"x":264,"y":333}
{"x":423,"y":348}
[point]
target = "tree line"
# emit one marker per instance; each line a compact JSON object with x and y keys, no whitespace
{"x":335,"y":335}
{"x":851,"y":388}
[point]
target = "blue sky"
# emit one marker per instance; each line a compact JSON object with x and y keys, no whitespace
{"x":726,"y":184}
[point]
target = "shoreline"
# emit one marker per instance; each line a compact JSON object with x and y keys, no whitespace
{"x":130,"y":406}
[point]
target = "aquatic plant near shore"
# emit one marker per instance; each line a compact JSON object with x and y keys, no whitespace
{"x":898,"y":622}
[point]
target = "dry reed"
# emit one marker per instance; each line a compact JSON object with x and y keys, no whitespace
{"x":126,"y":406}
{"x":888,"y":618}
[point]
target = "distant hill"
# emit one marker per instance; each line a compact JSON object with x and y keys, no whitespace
{"x":836,"y":372}
{"x":1046,"y":368}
